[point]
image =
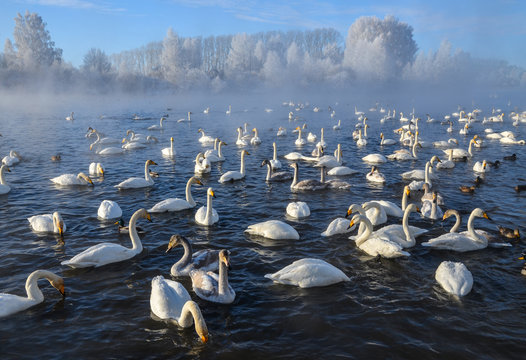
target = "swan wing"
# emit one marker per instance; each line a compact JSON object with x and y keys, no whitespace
{"x":379,"y":246}
{"x":206,"y":260}
{"x":41,"y":223}
{"x":454,"y":277}
{"x":167,"y":298}
{"x":100,"y":254}
{"x":10,"y":304}
{"x":273,"y":229}
{"x":172,"y":204}
{"x":134,"y":183}
{"x":205,"y":284}
{"x":338,"y":226}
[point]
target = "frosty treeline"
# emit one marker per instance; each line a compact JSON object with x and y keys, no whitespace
{"x":374,"y":50}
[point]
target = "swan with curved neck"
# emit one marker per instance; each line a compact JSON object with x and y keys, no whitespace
{"x":211,"y":287}
{"x":240,"y":141}
{"x":206,"y":260}
{"x":135,"y":182}
{"x":107,"y":253}
{"x":467,"y":241}
{"x":4,"y":188}
{"x":170,"y":301}
{"x":450,"y":212}
{"x":405,"y":196}
{"x":176,"y":204}
{"x":80,"y":179}
{"x":10,"y":304}
{"x":52,"y":223}
{"x":207,"y":215}
{"x":235,"y":175}
{"x":277,"y":176}
{"x":310,"y":184}
{"x":255,"y":140}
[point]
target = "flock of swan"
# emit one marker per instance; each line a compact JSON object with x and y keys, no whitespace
{"x":208,"y":269}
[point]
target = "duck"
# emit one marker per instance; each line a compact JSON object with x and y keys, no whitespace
{"x":11,"y":304}
{"x":96,"y":169}
{"x":384,"y":141}
{"x":109,"y":209}
{"x":205,"y":139}
{"x":157,"y":127}
{"x":176,"y":204}
{"x":108,"y":253}
{"x":170,"y":301}
{"x":512,"y":157}
{"x":124,"y":229}
{"x":81,"y":179}
{"x":240,"y":141}
{"x":214,"y":287}
{"x":307,"y":273}
{"x":467,"y":189}
{"x":299,"y":141}
{"x":276,"y":176}
{"x":49,"y":223}
{"x":136,"y":182}
{"x":4,"y":188}
{"x":273,"y":229}
{"x":461,"y":242}
{"x":206,"y":259}
{"x":523,"y":257}
{"x":12,"y":159}
{"x":169,"y":151}
{"x":56,"y":158}
{"x":235,"y":175}
{"x":207,"y":215}
{"x":298,"y":210}
{"x":375,"y":176}
{"x":305,"y":185}
{"x":376,"y":245}
{"x":454,"y":277}
{"x":509,"y":233}
{"x":255,"y":140}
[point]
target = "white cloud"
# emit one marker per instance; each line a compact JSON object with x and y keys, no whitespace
{"x":102,"y":6}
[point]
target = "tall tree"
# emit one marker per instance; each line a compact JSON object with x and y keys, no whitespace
{"x":97,"y":61}
{"x":34,"y":47}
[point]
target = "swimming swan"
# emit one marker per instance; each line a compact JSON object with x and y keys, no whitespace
{"x":454,"y":277}
{"x":169,"y":151}
{"x":72,"y":180}
{"x":10,"y":304}
{"x":4,"y":188}
{"x":206,"y":215}
{"x":108,"y":253}
{"x":96,"y":169}
{"x":176,"y":204}
{"x":235,"y":175}
{"x":206,"y":259}
{"x":51,"y":223}
{"x":135,"y":182}
{"x":307,"y":185}
{"x":277,"y":176}
{"x":212,"y":287}
{"x":307,"y":273}
{"x":298,"y":210}
{"x":273,"y":229}
{"x":169,"y":300}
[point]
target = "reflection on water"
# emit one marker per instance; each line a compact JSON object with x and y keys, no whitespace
{"x":390,"y":308}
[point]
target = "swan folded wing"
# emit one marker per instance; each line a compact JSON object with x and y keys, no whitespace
{"x":454,"y":241}
{"x":382,"y":246}
{"x":273,"y":229}
{"x":398,"y":231}
{"x":167,"y":298}
{"x":390,"y":208}
{"x":134,"y":183}
{"x":206,"y":260}
{"x":43,"y":223}
{"x":230,"y":176}
{"x":455,"y":278}
{"x":338,"y":226}
{"x":170,"y":205}
{"x":100,"y":254}
{"x":10,"y":304}
{"x":205,"y":284}
{"x":307,"y":273}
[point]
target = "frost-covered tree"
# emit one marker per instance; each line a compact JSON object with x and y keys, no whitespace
{"x":171,"y":57}
{"x":239,"y":64}
{"x":379,"y":49}
{"x":33,"y":44}
{"x":96,"y":61}
{"x":273,"y":69}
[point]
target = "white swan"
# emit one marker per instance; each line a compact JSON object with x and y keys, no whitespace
{"x":109,"y":209}
{"x":454,"y":277}
{"x":135,"y":182}
{"x":206,"y":259}
{"x":384,"y":141}
{"x":205,"y":139}
{"x":375,"y":176}
{"x":275,"y":163}
{"x":461,"y":242}
{"x":277,"y":176}
{"x":322,"y":142}
{"x":235,"y":175}
{"x":404,"y":155}
{"x":447,"y":164}
{"x":169,"y":151}
{"x":311,"y":137}
{"x":281,"y":131}
{"x":70,"y":117}
{"x":461,"y":153}
{"x":481,"y":167}
{"x":169,"y":300}
{"x":72,"y":180}
{"x":96,"y":169}
{"x":110,"y":150}
{"x":307,"y":273}
{"x":341,"y":171}
{"x":216,"y":155}
{"x":12,"y":159}
{"x":362,"y":141}
{"x":108,"y":253}
{"x":10,"y":304}
{"x":418,"y":184}
{"x":207,"y":215}
{"x":202,"y":165}
{"x":4,"y":188}
{"x":299,"y":141}
{"x":273,"y":229}
{"x":309,"y":185}
{"x":157,"y":127}
{"x":430,"y":208}
{"x":176,"y":204}
{"x":51,"y":223}
{"x":330,"y":161}
{"x":255,"y":140}
{"x":419,"y":174}
{"x":212,"y":287}
{"x":376,"y":245}
{"x":240,"y":141}
{"x":337,"y":126}
{"x":298,"y":210}
{"x":374,"y":159}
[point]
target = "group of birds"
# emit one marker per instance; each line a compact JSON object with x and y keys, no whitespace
{"x":170,"y":301}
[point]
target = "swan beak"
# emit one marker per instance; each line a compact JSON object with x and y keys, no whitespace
{"x":153,"y":163}
{"x":8,"y":170}
{"x":349,"y":212}
{"x":522,"y":258}
{"x":204,"y":338}
{"x":247,"y":153}
{"x":212,"y":193}
{"x":486,"y":216}
{"x":61,"y":228}
{"x":116,"y":223}
{"x":351,"y":224}
{"x":122,"y":142}
{"x":61,"y":289}
{"x":90,"y":181}
{"x":148,"y":217}
{"x":444,"y":217}
{"x":418,"y":209}
{"x":198,"y":182}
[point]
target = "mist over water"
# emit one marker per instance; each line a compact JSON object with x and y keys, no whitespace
{"x":390,"y":308}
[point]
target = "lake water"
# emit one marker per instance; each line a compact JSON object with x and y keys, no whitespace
{"x":391,"y":308}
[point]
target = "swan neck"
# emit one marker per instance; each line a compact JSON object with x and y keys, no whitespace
{"x":338,"y":153}
{"x":32,"y":289}
{"x":189,"y":313}
{"x":457,"y":223}
{"x":410,"y":239}
{"x":295,"y":178}
{"x":134,"y":237}
{"x":471,"y":229}
{"x":208,"y":208}
{"x":219,"y":151}
{"x":322,"y":175}
{"x":147,"y":176}
{"x":223,"y":279}
{"x":269,"y":171}
{"x":2,"y":171}
{"x":469,"y":148}
{"x":426,"y":174}
{"x":188,"y":192}
{"x":299,"y":134}
{"x":187,"y":256}
{"x":242,"y":169}
{"x":365,"y":234}
{"x":404,"y":201}
{"x":275,"y":157}
{"x":414,"y":149}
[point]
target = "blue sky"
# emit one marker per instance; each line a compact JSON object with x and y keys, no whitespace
{"x":488,"y":29}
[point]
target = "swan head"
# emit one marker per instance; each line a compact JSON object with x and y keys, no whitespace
{"x":353,"y":208}
{"x":355,"y":220}
{"x":245,"y":152}
{"x":58,"y":222}
{"x":211,"y":192}
{"x":81,"y":175}
{"x":172,"y":139}
{"x":435,"y":158}
{"x":481,"y":213}
{"x":265,"y":162}
{"x":407,"y":191}
{"x":151,"y":162}
{"x":100,"y":169}
{"x":196,"y":180}
{"x":176,"y":240}
{"x":450,"y":212}
{"x":200,"y":130}
{"x":381,"y":135}
{"x":58,"y":283}
{"x":144,"y":214}
{"x":224,"y":257}
{"x":294,"y":166}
